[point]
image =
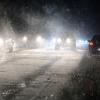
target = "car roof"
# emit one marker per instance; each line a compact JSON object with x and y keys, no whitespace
{"x":96,"y":37}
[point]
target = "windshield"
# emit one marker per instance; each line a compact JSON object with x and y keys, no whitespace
{"x":46,"y":51}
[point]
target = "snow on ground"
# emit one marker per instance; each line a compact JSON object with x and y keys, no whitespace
{"x":39,"y":75}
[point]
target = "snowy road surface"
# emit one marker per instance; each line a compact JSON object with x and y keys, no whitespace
{"x":35,"y":75}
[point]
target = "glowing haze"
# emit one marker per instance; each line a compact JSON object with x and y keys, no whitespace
{"x":45,"y":17}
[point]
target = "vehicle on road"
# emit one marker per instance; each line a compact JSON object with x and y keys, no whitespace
{"x":94,"y":45}
{"x":68,"y":43}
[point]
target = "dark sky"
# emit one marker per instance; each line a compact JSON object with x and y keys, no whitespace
{"x":34,"y":15}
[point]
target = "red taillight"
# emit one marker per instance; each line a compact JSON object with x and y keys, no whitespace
{"x":91,"y":43}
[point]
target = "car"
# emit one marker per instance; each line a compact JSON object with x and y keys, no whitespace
{"x":65,"y":44}
{"x":94,"y":45}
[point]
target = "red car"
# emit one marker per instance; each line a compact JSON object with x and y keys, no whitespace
{"x":94,"y":45}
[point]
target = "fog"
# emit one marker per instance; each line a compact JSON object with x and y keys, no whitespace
{"x":35,"y":19}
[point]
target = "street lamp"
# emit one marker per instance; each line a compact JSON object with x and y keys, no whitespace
{"x":39,"y":39}
{"x":1,"y":42}
{"x":68,"y":40}
{"x":24,"y":39}
{"x":59,"y":40}
{"x":39,"y":42}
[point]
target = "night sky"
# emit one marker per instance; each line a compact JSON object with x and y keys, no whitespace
{"x":48,"y":17}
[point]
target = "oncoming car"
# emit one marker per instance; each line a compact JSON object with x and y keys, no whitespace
{"x":68,"y":43}
{"x":94,"y":45}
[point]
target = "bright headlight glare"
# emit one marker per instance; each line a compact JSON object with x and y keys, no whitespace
{"x":1,"y":42}
{"x":39,"y":39}
{"x":54,"y":40}
{"x":68,"y":40}
{"x":59,"y":40}
{"x":25,"y":39}
{"x":98,"y":49}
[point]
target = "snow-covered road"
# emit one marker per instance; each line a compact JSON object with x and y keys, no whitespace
{"x":37,"y":75}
